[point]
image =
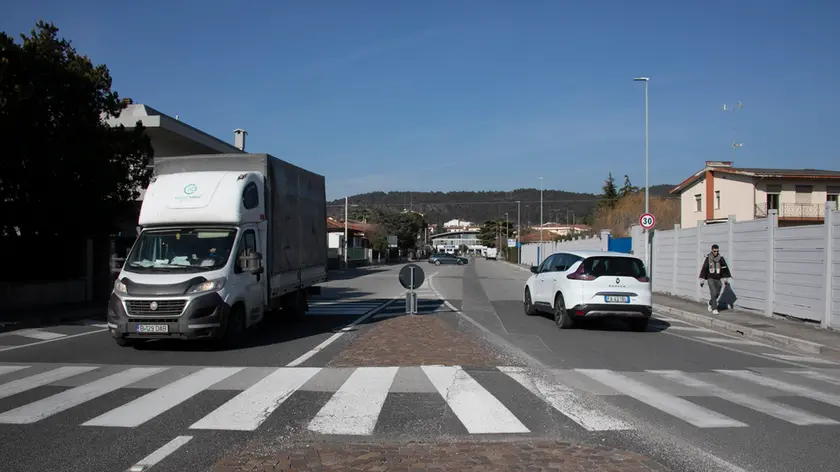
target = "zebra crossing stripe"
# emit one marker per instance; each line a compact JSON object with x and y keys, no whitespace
{"x":355,"y":407}
{"x":76,"y":396}
{"x":44,"y":378}
{"x":248,"y":410}
{"x":8,"y":369}
{"x":673,"y":405}
{"x":784,"y":386}
{"x":565,"y":401}
{"x":768,"y":407}
{"x":160,"y":454}
{"x":148,"y":406}
{"x":816,"y":376}
{"x":37,"y":334}
{"x":477,"y":409}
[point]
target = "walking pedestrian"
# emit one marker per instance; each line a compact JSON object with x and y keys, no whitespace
{"x":715,"y":270}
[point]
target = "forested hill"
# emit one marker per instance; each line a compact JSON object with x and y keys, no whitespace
{"x":481,"y":206}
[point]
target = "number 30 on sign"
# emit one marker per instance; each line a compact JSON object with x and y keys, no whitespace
{"x":647,"y":221}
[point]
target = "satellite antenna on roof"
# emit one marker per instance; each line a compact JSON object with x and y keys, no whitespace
{"x":735,"y":143}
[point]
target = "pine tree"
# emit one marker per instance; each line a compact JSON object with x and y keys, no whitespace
{"x":609,"y":198}
{"x":628,"y":188}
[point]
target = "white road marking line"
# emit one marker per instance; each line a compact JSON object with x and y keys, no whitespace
{"x":763,"y":405}
{"x":248,"y":410}
{"x":95,"y":323}
{"x":44,"y":378}
{"x":307,"y":355}
{"x":784,"y":386}
{"x":816,"y":376}
{"x":812,"y":360}
{"x":36,"y":334}
{"x":689,"y":328}
{"x":160,"y":454}
{"x":565,"y":401}
{"x":730,"y":341}
{"x":7,"y":369}
{"x":477,"y":409}
{"x":163,"y":399}
{"x":10,"y":348}
{"x":355,"y":407}
{"x":76,"y":396}
{"x":673,"y":405}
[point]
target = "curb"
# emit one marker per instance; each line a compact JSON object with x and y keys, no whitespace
{"x":45,"y":320}
{"x":797,"y":344}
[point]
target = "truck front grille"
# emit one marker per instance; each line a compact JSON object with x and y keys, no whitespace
{"x":163,"y":308}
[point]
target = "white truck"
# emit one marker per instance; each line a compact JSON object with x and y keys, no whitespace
{"x":225,"y":240}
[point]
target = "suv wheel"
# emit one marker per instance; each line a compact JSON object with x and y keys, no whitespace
{"x":529,"y":304}
{"x":561,"y":316}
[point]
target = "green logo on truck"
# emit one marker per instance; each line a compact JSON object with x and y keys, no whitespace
{"x":190,"y":189}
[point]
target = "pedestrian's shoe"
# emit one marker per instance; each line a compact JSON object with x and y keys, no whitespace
{"x":709,"y":307}
{"x":715,"y":312}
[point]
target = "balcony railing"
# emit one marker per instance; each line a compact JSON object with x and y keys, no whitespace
{"x":794,"y":211}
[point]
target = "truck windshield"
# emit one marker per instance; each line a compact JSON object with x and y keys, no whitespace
{"x":180,"y":250}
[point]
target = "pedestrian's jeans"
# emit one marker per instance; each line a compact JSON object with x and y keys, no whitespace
{"x":714,"y":291}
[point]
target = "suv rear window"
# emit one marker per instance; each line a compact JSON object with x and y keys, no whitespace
{"x":618,"y":266}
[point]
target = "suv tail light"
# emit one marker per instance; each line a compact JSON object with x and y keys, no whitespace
{"x":580,"y":274}
{"x":643,"y":279}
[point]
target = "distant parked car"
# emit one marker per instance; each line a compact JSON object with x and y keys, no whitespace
{"x":574,"y":285}
{"x":444,"y":258}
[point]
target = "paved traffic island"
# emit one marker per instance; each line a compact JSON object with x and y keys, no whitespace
{"x":414,"y":340}
{"x":522,"y":456}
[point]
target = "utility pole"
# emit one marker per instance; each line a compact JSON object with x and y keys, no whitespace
{"x":346,"y":242}
{"x":735,"y":143}
{"x":539,"y":257}
{"x":507,"y":233}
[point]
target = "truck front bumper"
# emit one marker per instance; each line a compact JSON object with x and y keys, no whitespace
{"x":205,"y":316}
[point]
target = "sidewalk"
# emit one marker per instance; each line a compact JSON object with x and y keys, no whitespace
{"x":412,"y":341}
{"x":783,"y":332}
{"x":52,"y":315}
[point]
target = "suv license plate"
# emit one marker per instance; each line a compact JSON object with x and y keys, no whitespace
{"x":152,"y":328}
{"x":615,"y":299}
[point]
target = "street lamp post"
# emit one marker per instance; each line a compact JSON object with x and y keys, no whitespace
{"x":346,"y":243}
{"x":518,"y":231}
{"x":541,"y":221}
{"x":646,"y":80}
{"x":507,"y":234}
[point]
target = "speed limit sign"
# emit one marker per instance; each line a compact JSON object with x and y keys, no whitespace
{"x":647,"y":221}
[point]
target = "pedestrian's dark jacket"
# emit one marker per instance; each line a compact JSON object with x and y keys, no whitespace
{"x":717,"y":269}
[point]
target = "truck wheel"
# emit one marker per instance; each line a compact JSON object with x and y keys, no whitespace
{"x":125,"y":342}
{"x":235,"y":329}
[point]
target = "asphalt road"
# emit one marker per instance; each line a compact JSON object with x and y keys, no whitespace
{"x":692,"y":398}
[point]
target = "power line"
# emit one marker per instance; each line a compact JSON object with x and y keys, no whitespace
{"x":524,"y":202}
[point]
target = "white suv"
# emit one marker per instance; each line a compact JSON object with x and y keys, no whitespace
{"x":573,"y":285}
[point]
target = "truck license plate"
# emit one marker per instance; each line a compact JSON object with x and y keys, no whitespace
{"x":616,"y":299}
{"x":152,"y":328}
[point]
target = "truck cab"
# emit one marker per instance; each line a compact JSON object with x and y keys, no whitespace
{"x":196,"y":269}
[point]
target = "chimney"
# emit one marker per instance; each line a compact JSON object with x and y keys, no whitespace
{"x":718,"y":163}
{"x":239,"y":138}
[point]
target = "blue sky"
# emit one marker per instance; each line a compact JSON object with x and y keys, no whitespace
{"x":477,"y":94}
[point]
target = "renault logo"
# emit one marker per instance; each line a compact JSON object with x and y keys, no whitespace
{"x":617,"y":281}
{"x":153,"y":306}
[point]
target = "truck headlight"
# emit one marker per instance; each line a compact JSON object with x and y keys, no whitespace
{"x":120,"y":287}
{"x":208,"y":286}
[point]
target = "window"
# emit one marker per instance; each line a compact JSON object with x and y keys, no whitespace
{"x":698,"y":202}
{"x":247,"y":247}
{"x":617,"y":266}
{"x":717,"y":199}
{"x":831,"y":195}
{"x":803,"y":193}
{"x":250,"y":196}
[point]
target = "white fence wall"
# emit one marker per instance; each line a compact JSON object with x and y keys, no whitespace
{"x":595,"y":243}
{"x":793,"y":271}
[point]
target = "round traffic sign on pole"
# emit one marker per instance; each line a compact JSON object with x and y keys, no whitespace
{"x":411,"y":276}
{"x":647,"y":221}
